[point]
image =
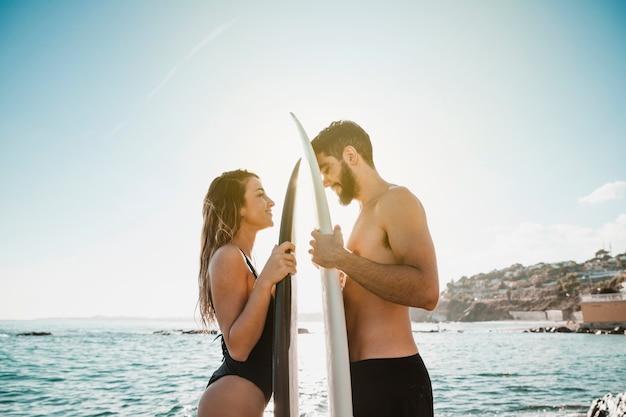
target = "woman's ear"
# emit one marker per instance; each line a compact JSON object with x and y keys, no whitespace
{"x":350,"y":155}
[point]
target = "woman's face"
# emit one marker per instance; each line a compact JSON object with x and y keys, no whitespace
{"x":257,"y":209}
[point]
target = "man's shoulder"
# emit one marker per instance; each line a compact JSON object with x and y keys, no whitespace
{"x":397,"y":189}
{"x":396,"y":193}
{"x":399,"y":197}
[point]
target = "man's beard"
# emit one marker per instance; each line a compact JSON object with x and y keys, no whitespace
{"x":349,"y":187}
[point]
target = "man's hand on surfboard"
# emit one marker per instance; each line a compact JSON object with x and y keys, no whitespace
{"x":326,"y":249}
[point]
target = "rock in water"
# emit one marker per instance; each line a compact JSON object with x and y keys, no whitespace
{"x":609,"y":406}
{"x":35,"y":334}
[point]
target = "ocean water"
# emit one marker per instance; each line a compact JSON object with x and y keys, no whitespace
{"x":104,"y":367}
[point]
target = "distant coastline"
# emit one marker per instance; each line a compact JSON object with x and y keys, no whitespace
{"x":552,"y":291}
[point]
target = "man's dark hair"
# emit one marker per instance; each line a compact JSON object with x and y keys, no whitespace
{"x":333,"y":140}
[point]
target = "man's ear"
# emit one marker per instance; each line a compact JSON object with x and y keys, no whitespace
{"x":350,"y":155}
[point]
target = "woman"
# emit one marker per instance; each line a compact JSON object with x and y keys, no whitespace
{"x":235,"y":209}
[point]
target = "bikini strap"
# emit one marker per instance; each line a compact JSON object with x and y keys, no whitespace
{"x":250,"y":266}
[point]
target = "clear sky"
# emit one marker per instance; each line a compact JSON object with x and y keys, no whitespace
{"x":507,"y":120}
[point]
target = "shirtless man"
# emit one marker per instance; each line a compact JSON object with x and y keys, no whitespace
{"x":389,"y":265}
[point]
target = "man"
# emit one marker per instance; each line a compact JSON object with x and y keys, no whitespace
{"x":389,"y":265}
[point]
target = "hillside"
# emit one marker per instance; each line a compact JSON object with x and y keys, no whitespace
{"x":518,"y":288}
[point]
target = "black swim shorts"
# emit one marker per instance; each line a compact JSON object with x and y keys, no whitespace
{"x":396,"y":387}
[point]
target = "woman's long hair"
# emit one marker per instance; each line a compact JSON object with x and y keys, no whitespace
{"x":222,"y":219}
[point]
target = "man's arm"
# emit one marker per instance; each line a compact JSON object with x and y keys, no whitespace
{"x":412,"y":280}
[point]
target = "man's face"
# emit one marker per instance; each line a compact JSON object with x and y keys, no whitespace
{"x":338,"y":176}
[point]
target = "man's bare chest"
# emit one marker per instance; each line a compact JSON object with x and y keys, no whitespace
{"x":369,"y":239}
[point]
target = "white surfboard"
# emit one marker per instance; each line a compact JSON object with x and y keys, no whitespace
{"x":338,"y":361}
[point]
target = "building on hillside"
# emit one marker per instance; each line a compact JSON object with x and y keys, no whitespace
{"x":604,"y":311}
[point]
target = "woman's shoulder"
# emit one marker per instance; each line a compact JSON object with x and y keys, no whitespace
{"x":227,"y":255}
